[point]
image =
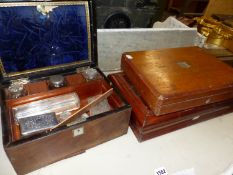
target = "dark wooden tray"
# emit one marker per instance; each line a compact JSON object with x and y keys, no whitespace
{"x":147,"y":125}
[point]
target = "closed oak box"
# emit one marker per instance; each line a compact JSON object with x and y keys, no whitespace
{"x":146,"y":125}
{"x":175,"y":79}
{"x":40,"y":40}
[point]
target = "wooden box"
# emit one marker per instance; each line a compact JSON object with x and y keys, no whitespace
{"x":146,"y":125}
{"x":41,"y":39}
{"x":175,"y":79}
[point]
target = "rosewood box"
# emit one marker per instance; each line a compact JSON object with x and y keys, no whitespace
{"x":55,"y":102}
{"x":175,"y":79}
{"x":146,"y":125}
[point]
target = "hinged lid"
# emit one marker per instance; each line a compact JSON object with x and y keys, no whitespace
{"x":43,"y":37}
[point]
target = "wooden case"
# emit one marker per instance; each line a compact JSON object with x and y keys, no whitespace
{"x":28,"y":153}
{"x":175,"y":79}
{"x":146,"y":125}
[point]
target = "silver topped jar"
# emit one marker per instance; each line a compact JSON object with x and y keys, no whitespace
{"x":90,"y":74}
{"x":56,"y":81}
{"x":16,"y":90}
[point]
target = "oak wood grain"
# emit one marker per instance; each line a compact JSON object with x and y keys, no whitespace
{"x":175,"y":79}
{"x":147,"y":125}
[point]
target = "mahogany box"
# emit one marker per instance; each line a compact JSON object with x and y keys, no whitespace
{"x":175,"y":79}
{"x":146,"y":125}
{"x":39,"y":40}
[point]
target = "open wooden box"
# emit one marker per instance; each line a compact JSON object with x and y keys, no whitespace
{"x":54,"y":38}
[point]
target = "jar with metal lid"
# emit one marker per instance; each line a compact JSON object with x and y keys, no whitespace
{"x":56,"y":81}
{"x":16,"y":90}
{"x":90,"y":74}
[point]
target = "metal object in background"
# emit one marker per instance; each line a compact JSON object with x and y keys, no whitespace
{"x":128,"y":13}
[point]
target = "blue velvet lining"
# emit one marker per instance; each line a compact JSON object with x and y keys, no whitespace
{"x":30,"y":39}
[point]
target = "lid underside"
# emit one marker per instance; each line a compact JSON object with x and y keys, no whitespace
{"x":42,"y":36}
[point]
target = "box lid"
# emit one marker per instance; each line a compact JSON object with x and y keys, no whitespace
{"x":175,"y":79}
{"x":43,"y":37}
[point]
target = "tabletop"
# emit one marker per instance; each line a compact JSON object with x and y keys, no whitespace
{"x":206,"y":148}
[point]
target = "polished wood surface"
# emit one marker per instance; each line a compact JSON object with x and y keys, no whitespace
{"x":222,"y":54}
{"x":36,"y":153}
{"x":175,"y":79}
{"x":75,"y":79}
{"x":32,"y":152}
{"x":147,"y":125}
{"x":36,"y":87}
